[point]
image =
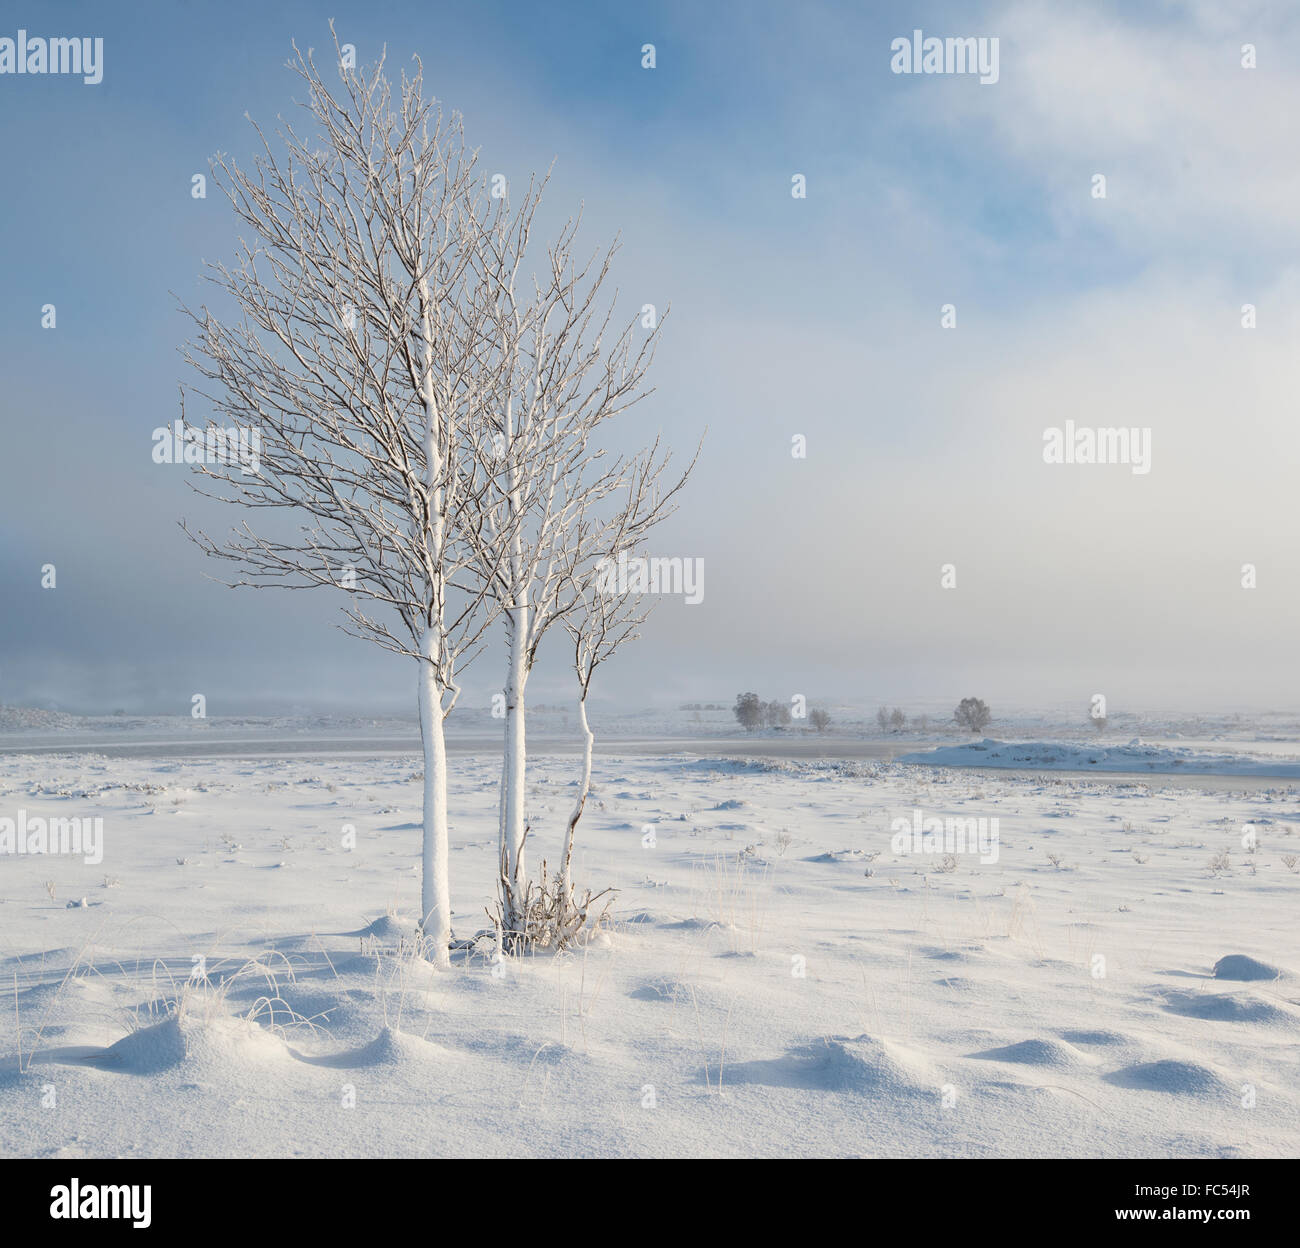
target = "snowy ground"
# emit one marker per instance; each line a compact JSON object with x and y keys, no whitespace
{"x":1136,"y":757}
{"x":777,"y":980}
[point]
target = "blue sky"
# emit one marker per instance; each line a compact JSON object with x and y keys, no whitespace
{"x":818,"y":316}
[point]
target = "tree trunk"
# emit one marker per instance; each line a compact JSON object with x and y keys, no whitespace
{"x":435,"y":899}
{"x":515,"y":763}
{"x":584,"y":788}
{"x":502,"y":857}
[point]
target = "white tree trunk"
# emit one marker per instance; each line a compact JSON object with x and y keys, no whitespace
{"x":584,"y":788}
{"x":501,"y":813}
{"x":435,"y":899}
{"x":515,"y":764}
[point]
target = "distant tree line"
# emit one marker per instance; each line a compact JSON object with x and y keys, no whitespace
{"x":891,"y":720}
{"x":972,"y":714}
{"x":753,"y":713}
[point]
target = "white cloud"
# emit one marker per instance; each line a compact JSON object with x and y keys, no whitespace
{"x":1197,"y":151}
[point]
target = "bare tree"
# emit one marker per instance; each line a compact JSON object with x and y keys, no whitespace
{"x":973,"y":715}
{"x":565,"y":371}
{"x":599,"y":620}
{"x":776,"y":714}
{"x":601,"y":624}
{"x":748,"y":711}
{"x":819,"y":719}
{"x":360,"y":351}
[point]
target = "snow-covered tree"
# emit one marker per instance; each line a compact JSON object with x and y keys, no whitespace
{"x":357,"y":338}
{"x":972,"y":714}
{"x":748,"y":711}
{"x":565,"y":371}
{"x":599,"y":620}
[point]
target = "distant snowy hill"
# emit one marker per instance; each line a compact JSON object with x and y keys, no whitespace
{"x":1136,"y":756}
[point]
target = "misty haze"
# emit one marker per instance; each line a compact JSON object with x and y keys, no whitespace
{"x":650,"y":581}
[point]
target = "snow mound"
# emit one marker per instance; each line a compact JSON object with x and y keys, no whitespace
{"x":841,"y":855}
{"x":205,"y":1043}
{"x":1239,"y":967}
{"x":388,"y":928}
{"x":1050,"y":1054}
{"x":1137,"y":756}
{"x":391,"y":1050}
{"x":1227,"y":1008}
{"x":1180,"y":1078}
{"x":637,"y":917}
{"x":877,"y":1067}
{"x":661,"y":989}
{"x":862,"y":1065}
{"x":399,"y":1048}
{"x":1094,"y":1037}
{"x":967,"y":953}
{"x":390,"y":934}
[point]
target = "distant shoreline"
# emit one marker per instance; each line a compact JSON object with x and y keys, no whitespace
{"x":795,"y":749}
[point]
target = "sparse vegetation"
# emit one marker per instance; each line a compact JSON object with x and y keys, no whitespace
{"x":891,"y":719}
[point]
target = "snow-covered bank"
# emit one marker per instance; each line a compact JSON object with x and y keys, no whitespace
{"x":783,"y":977}
{"x":1134,"y":758}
